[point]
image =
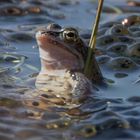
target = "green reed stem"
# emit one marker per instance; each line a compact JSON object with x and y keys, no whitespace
{"x":92,"y":43}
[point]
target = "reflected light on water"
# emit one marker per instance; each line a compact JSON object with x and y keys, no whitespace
{"x":125,"y":21}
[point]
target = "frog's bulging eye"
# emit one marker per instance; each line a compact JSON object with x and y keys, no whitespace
{"x":70,"y":35}
{"x":54,"y":27}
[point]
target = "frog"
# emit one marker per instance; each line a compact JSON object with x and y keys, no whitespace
{"x":61,"y":79}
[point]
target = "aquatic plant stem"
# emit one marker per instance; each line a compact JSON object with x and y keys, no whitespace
{"x":92,"y":44}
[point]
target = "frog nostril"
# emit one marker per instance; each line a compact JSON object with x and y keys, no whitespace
{"x":43,"y":32}
{"x":52,"y":33}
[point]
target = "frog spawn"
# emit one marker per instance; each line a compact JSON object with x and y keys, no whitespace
{"x":122,"y":63}
{"x":117,"y":49}
{"x":102,"y":121}
{"x":88,"y":131}
{"x":118,"y":30}
{"x":135,"y":30}
{"x":11,"y":10}
{"x":120,"y":44}
{"x":134,"y":50}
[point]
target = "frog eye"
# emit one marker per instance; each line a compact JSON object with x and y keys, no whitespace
{"x":70,"y":35}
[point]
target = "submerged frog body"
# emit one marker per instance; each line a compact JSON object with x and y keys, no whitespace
{"x":63,"y":55}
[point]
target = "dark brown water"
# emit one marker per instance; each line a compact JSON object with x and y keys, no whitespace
{"x":113,"y":113}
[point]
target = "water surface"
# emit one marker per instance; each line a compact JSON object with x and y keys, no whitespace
{"x":113,"y":113}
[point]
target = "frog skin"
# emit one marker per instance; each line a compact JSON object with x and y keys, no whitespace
{"x":63,"y":55}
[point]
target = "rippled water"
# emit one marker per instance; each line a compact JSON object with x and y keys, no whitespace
{"x":113,"y":113}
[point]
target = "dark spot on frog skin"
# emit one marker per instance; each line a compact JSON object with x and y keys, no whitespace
{"x":35,"y":103}
{"x":45,"y":95}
